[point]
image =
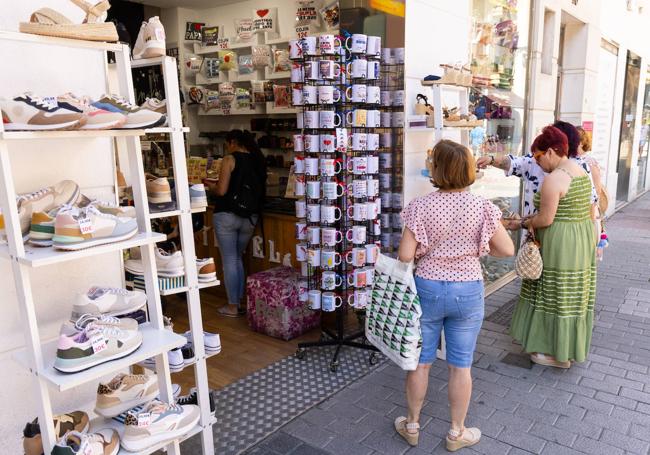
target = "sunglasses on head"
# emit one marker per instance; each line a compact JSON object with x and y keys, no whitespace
{"x":537,"y":155}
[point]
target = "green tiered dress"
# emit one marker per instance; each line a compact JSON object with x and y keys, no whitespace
{"x":555,"y":313}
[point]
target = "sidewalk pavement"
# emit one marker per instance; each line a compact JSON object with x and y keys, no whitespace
{"x":601,"y":406}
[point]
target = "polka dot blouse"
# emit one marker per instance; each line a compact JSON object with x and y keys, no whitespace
{"x":455,"y":258}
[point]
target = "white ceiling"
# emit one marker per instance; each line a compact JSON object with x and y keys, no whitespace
{"x":198,"y":4}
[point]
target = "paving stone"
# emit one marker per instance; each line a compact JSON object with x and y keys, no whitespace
{"x":496,"y":389}
{"x":319,"y":417}
{"x":537,"y":415}
{"x":590,"y":403}
{"x":549,"y":392}
{"x":594,"y":447}
{"x":524,"y":441}
{"x":553,"y":434}
{"x":568,"y":410}
{"x":488,"y":427}
{"x":625,"y":442}
{"x":348,"y":410}
{"x":342,"y":446}
{"x":631,"y":416}
{"x":587,"y":429}
{"x":616,"y":400}
{"x":355,"y":431}
{"x":309,"y":434}
{"x":307,"y":449}
{"x":635,"y":395}
{"x":555,"y":449}
{"x":384,"y":443}
{"x":623,"y":382}
{"x":605,"y":421}
{"x":497,"y":402}
{"x":491,"y":446}
{"x":640,"y":432}
{"x":281,"y":442}
{"x":576,"y":389}
{"x":376,"y":404}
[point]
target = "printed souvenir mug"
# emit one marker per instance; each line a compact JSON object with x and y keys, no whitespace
{"x":386,"y":98}
{"x":373,"y":142}
{"x":398,"y":98}
{"x":358,"y":211}
{"x":373,"y":94}
{"x":300,"y":120}
{"x":305,"y":269}
{"x":385,"y":181}
{"x":297,"y":96}
{"x":313,"y":235}
{"x":396,"y":221}
{"x":356,"y":235}
{"x":370,"y":273}
{"x":395,"y":238}
{"x":358,"y":278}
{"x":313,"y":189}
{"x":357,"y":43}
{"x":357,"y":117}
{"x":329,"y":69}
{"x":359,"y":141}
{"x":330,"y":166}
{"x":329,"y":44}
{"x":385,"y":220}
{"x":301,"y":252}
{"x":387,"y":56}
{"x":332,"y":190}
{"x":372,"y":252}
{"x":330,"y":280}
{"x":359,"y":299}
{"x":386,"y":160}
{"x":301,"y":209}
{"x":373,"y":70}
{"x":372,"y":210}
{"x":303,"y":291}
{"x":386,"y":119}
{"x":311,"y":166}
{"x":313,"y":213}
{"x":309,"y":46}
{"x":299,"y":164}
{"x":373,"y":118}
{"x":397,"y":200}
{"x":373,"y":46}
{"x":295,"y":49}
{"x":297,"y":73}
{"x":314,"y":298}
{"x":342,"y":139}
{"x":299,"y":185}
{"x":357,"y":69}
{"x":312,"y":70}
{"x":385,"y":139}
{"x":398,"y":119}
{"x":329,"y":119}
{"x":358,"y":165}
{"x":357,"y":93}
{"x":330,"y":259}
{"x":372,"y":166}
{"x":330,"y":236}
{"x":298,"y":143}
{"x":313,"y":257}
{"x":327,"y":143}
{"x":301,"y":230}
{"x":331,"y":301}
{"x":376,"y":227}
{"x":309,"y":94}
{"x":312,"y":142}
{"x":398,"y":52}
{"x":328,"y":94}
{"x":358,"y":188}
{"x":330,"y":213}
{"x":372,"y":186}
{"x":386,"y":200}
{"x":356,"y":257}
{"x":386,"y":239}
{"x":310,"y":118}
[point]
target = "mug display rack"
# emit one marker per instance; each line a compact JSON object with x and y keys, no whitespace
{"x":336,"y":87}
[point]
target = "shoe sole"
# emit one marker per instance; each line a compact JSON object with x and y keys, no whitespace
{"x":144,"y":126}
{"x":101,"y":361}
{"x":159,"y":198}
{"x":26,"y":127}
{"x":92,"y":243}
{"x":199,"y":203}
{"x":104,"y":126}
{"x":143,"y":444}
{"x":187,"y":362}
{"x":40,"y":243}
{"x":208,"y":278}
{"x":114,"y":313}
{"x":151,"y":50}
{"x":118,"y":409}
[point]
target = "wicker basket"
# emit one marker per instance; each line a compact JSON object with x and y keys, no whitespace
{"x":528,"y":264}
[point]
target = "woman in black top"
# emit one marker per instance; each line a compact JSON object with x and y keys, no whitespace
{"x":241,"y":191}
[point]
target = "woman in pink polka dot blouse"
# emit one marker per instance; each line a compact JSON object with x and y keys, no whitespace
{"x":446,"y":231}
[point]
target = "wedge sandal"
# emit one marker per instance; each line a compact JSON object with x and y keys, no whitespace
{"x":49,"y":22}
{"x":402,"y":427}
{"x":542,"y":359}
{"x":465,"y":438}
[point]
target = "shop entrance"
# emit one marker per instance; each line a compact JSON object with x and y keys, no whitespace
{"x":628,"y":122}
{"x":644,"y":140}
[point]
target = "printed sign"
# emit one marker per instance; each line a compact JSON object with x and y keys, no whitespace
{"x":193,"y":31}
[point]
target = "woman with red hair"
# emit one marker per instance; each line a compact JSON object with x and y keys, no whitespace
{"x":554,"y":317}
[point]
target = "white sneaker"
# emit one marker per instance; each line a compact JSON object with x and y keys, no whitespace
{"x":151,"y":40}
{"x":206,"y":270}
{"x":79,"y":324}
{"x":124,"y":392}
{"x":154,"y":104}
{"x":168,"y":264}
{"x":32,"y":113}
{"x":198,"y":197}
{"x":108,"y":301}
{"x":211,"y":341}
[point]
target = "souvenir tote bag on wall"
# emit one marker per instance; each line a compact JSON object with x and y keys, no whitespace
{"x":393,"y":315}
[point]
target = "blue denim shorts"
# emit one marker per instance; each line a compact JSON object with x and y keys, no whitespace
{"x":456,"y":306}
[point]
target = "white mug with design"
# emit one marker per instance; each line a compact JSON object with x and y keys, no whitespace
{"x":386,"y":240}
{"x":309,"y":45}
{"x":356,"y":234}
{"x":359,"y":141}
{"x":385,"y":220}
{"x":301,"y":230}
{"x":358,"y":165}
{"x":312,"y":142}
{"x":370,"y":274}
{"x":359,"y":188}
{"x":329,"y":69}
{"x":298,"y":143}
{"x":372,"y":211}
{"x":372,"y":165}
{"x":297,"y":73}
{"x":386,"y":160}
{"x":310,"y":94}
{"x":387,"y":56}
{"x":314,"y":299}
{"x":328,"y":94}
{"x":313,"y":213}
{"x":373,"y":46}
{"x":330,"y":280}
{"x":373,"y":94}
{"x":330,"y":259}
{"x":386,"y":119}
{"x":327,"y":143}
{"x":385,"y":182}
{"x":310,"y":119}
{"x":357,"y":93}
{"x":330,"y":166}
{"x":373,"y":118}
{"x":357,"y":117}
{"x":331,"y":301}
{"x":295,"y":49}
{"x":398,"y":52}
{"x":332,"y":190}
{"x":330,"y":214}
{"x":299,"y":185}
{"x":398,"y":98}
{"x":356,"y":257}
{"x":313,"y":257}
{"x":301,"y":252}
{"x":398,"y":119}
{"x":297,"y":98}
{"x":303,"y":291}
{"x":373,"y":70}
{"x":359,"y":299}
{"x":312,"y":70}
{"x":331,"y":236}
{"x":372,"y":252}
{"x":313,"y":189}
{"x":373,"y":142}
{"x":376,"y":227}
{"x":358,"y":211}
{"x":311,"y":166}
{"x":329,"y":119}
{"x":386,"y":98}
{"x":372,"y":186}
{"x":313,"y":235}
{"x":329,"y":44}
{"x":357,"y":43}
{"x":357,"y":69}
{"x":385,"y":139}
{"x":301,"y":209}
{"x":305,"y":269}
{"x":358,"y":278}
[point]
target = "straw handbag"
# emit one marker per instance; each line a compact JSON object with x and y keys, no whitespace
{"x":603,"y":200}
{"x":528,"y":264}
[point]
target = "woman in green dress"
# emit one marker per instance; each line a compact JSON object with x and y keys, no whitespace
{"x":554,"y":317}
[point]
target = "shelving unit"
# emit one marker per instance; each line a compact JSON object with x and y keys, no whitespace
{"x":184,"y":214}
{"x":438,"y":120}
{"x":38,"y":358}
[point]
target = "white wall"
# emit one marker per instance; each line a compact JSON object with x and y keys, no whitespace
{"x":48,"y":70}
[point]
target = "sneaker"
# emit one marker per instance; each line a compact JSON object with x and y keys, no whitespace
{"x":140,"y":316}
{"x":41,"y":228}
{"x":211,"y":341}
{"x":136,"y":117}
{"x":193,"y":398}
{"x":154,"y":104}
{"x":95,"y":345}
{"x":206,"y":270}
{"x":158,"y":423}
{"x":158,"y":190}
{"x":78,"y":324}
{"x":124,"y":392}
{"x":151,"y":40}
{"x":198,"y":198}
{"x":31,"y":113}
{"x":176,"y":360}
{"x":80,"y":228}
{"x":188,"y":354}
{"x":168,"y":264}
{"x":72,"y":421}
{"x":102,"y":442}
{"x":108,"y":302}
{"x":96,"y":119}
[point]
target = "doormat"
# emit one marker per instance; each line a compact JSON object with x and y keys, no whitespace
{"x":503,"y":315}
{"x":254,"y":407}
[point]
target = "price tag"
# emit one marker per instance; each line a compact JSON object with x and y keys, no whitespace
{"x":86,"y":226}
{"x":144,"y":419}
{"x":302,"y":31}
{"x":223,"y":43}
{"x":160,"y":34}
{"x":226,"y":111}
{"x":98,"y":343}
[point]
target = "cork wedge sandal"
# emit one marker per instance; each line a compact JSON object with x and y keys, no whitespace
{"x":465,"y":438}
{"x":402,"y":427}
{"x":49,"y":22}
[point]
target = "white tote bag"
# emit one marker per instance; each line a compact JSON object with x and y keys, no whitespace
{"x":393,"y":315}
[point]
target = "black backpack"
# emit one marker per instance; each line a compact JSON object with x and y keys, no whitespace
{"x":248,"y":189}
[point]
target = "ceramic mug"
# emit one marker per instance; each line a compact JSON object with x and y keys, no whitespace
{"x":312,"y":143}
{"x":313,"y":213}
{"x":358,"y":211}
{"x":357,"y":43}
{"x":297,"y":98}
{"x":309,"y":45}
{"x":359,"y":141}
{"x":330,"y":236}
{"x":303,"y":291}
{"x":376,"y":227}
{"x":385,"y":220}
{"x":297,"y":73}
{"x":331,"y":301}
{"x":311,"y":166}
{"x":372,"y":166}
{"x":313,"y":257}
{"x":373,"y":118}
{"x":356,"y":257}
{"x":313,"y":189}
{"x":386,"y":160}
{"x":310,"y":119}
{"x":386,"y":98}
{"x":358,"y":278}
{"x":329,"y":44}
{"x":330,"y":280}
{"x":299,"y":185}
{"x":373,"y":70}
{"x":398,"y":98}
{"x":395,"y":238}
{"x":398,"y":200}
{"x":356,"y":235}
{"x":313,"y":235}
{"x":330,"y":166}
{"x":385,"y":140}
{"x":358,"y":165}
{"x":329,"y":69}
{"x":311,"y":70}
{"x":357,"y":117}
{"x":386,"y":119}
{"x":398,"y":120}
{"x":373,"y":46}
{"x":327,"y":143}
{"x":396,"y":221}
{"x":301,"y":209}
{"x":330,"y":259}
{"x":358,"y":188}
{"x":295,"y":49}
{"x":386,"y":240}
{"x":372,"y":210}
{"x":298,"y":143}
{"x":301,"y":252}
{"x":373,"y":94}
{"x":372,"y":187}
{"x":301,"y":230}
{"x":387,"y":55}
{"x":310,"y":94}
{"x":357,"y":93}
{"x":330,"y":213}
{"x":314,"y":299}
{"x":373,"y":142}
{"x":327,"y":94}
{"x":372,"y":252}
{"x":332,"y":190}
{"x":357,"y":69}
{"x":398,"y":53}
{"x":359,"y":299}
{"x":329,"y":119}
{"x":385,"y":181}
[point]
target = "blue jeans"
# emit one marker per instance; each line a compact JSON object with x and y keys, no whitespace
{"x":456,"y":306}
{"x":233,"y":234}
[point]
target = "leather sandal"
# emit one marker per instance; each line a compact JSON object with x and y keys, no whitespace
{"x":464,"y":438}
{"x":402,"y":427}
{"x":542,"y":359}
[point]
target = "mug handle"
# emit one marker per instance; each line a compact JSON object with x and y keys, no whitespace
{"x":338,"y":277}
{"x":349,"y":235}
{"x":338,"y":238}
{"x":338,"y":185}
{"x":351,"y":300}
{"x":351,"y":283}
{"x":348,"y":260}
{"x":337,"y":42}
{"x":334,"y":93}
{"x":348,"y":93}
{"x":339,"y":300}
{"x":337,"y":69}
{"x":337,"y":123}
{"x":340,"y":167}
{"x":340,"y":213}
{"x":347,"y":43}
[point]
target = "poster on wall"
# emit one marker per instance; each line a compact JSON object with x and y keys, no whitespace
{"x":210,"y":35}
{"x":193,"y":31}
{"x":265,"y":20}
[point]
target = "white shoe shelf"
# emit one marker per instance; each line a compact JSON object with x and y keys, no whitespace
{"x":38,"y":358}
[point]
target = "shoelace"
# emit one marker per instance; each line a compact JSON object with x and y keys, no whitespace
{"x":92,"y":210}
{"x":93,"y":329}
{"x":123,"y":102}
{"x":41,"y":102}
{"x":31,"y":196}
{"x":186,"y":399}
{"x":86,"y":319}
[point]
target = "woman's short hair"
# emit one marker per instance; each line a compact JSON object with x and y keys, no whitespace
{"x":572,"y":136}
{"x":451,"y":165}
{"x":585,"y":139}
{"x":551,"y":138}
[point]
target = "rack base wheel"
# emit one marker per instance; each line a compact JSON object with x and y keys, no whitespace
{"x":373,"y":359}
{"x":334,"y":366}
{"x":300,"y":354}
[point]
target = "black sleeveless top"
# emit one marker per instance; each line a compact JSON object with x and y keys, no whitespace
{"x":245,"y":163}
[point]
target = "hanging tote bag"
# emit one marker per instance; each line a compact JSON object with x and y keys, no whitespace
{"x":393,"y":316}
{"x":528,"y":264}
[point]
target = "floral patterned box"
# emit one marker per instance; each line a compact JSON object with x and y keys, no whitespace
{"x":273,"y":307}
